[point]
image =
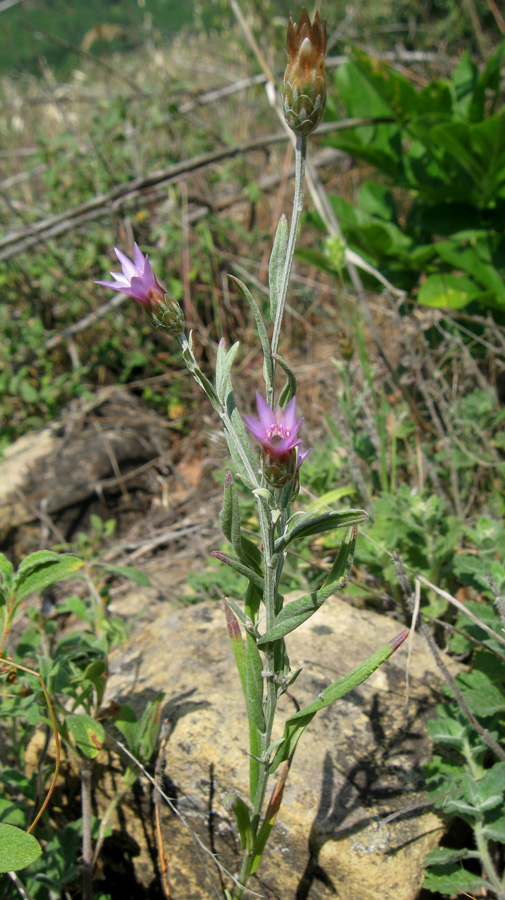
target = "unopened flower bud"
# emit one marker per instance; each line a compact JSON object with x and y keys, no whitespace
{"x":304,"y":85}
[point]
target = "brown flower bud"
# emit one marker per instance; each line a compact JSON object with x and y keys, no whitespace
{"x":304,"y":85}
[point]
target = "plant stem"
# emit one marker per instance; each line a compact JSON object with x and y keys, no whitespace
{"x":300,"y":156}
{"x":86,"y":829}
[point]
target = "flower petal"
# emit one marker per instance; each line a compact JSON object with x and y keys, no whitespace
{"x":138,"y":257}
{"x":265,"y":412}
{"x":255,"y":427}
{"x":128,"y":268}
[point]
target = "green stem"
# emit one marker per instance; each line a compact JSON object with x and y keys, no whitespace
{"x":300,"y":156}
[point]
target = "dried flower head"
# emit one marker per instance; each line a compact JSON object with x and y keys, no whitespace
{"x":277,"y":430}
{"x":139,"y":281}
{"x":304,"y":85}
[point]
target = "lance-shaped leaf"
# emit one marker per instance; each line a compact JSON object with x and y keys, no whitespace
{"x":310,"y":524}
{"x":298,"y":611}
{"x":262,"y":332}
{"x":229,"y":517}
{"x":240,"y":661}
{"x":201,"y":379}
{"x":289,"y":389}
{"x":224,"y":362}
{"x":238,"y":443}
{"x":254,"y":683}
{"x":269,"y":819}
{"x":242,"y":817}
{"x":277,"y":263}
{"x":241,"y":568}
{"x":296,"y":725}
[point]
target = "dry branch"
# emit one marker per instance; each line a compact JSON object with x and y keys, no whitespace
{"x":106,"y":204}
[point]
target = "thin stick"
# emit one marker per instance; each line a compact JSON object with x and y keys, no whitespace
{"x":54,"y":726}
{"x":449,"y":680}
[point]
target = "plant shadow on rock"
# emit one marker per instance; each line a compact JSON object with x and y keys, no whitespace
{"x":367,"y":782}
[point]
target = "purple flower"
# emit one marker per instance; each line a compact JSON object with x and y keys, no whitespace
{"x":137,"y":279}
{"x":277,"y":430}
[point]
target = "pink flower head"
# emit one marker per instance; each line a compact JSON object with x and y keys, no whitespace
{"x":137,"y":279}
{"x":277,"y":430}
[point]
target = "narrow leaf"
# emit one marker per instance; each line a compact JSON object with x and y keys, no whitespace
{"x":269,"y":820}
{"x":240,"y":661}
{"x":239,"y":567}
{"x":149,"y":727}
{"x":127,"y":723}
{"x":229,"y":516}
{"x":17,"y":848}
{"x":277,"y":263}
{"x":289,"y":389}
{"x":223,"y":376}
{"x":242,"y":818}
{"x":298,"y":611}
{"x":262,"y":332}
{"x":310,"y":524}
{"x":254,"y":683}
{"x":296,"y":725}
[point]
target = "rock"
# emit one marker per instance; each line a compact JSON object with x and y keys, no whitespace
{"x":353,"y":824}
{"x":98,"y":453}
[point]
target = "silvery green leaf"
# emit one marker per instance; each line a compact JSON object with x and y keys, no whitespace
{"x":296,"y":725}
{"x":224,"y":362}
{"x":254,"y":682}
{"x":311,"y":524}
{"x":262,"y":332}
{"x":277,"y":263}
{"x":289,"y":389}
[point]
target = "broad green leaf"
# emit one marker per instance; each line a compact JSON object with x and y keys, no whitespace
{"x":88,"y":734}
{"x":331,"y":497}
{"x":310,"y":524}
{"x":394,"y":89}
{"x":17,"y":848}
{"x":494,"y":825}
{"x":126,"y":722}
{"x":36,"y":574}
{"x":444,"y":855}
{"x":451,"y":880}
{"x":6,"y":574}
{"x":276,"y":264}
{"x":296,"y":725}
{"x":447,"y":291}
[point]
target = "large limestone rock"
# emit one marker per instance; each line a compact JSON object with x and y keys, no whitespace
{"x":353,"y":823}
